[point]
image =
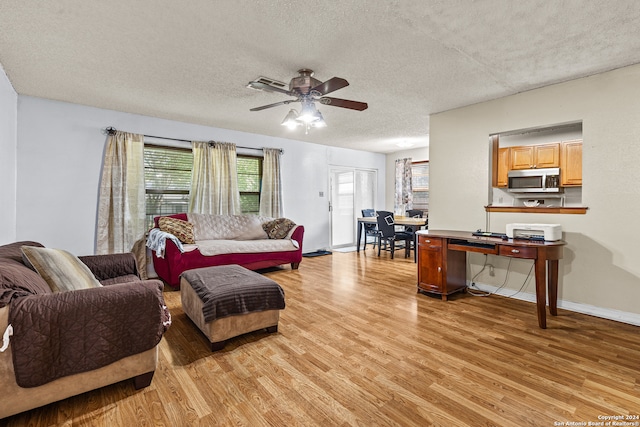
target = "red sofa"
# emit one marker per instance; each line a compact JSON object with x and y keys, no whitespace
{"x":175,"y":262}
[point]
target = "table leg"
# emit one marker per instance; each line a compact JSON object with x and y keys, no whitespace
{"x":552,"y":283}
{"x":358,"y":238}
{"x":541,"y":291}
{"x":407,"y":248}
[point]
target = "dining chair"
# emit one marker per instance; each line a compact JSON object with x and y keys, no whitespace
{"x":413,"y":213}
{"x":370,"y":229}
{"x":388,"y":234}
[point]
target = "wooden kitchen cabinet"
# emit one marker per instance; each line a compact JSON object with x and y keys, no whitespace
{"x":440,"y":271}
{"x":521,"y":157}
{"x":503,"y":167}
{"x":535,"y":156}
{"x":547,"y":155}
{"x":571,"y":163}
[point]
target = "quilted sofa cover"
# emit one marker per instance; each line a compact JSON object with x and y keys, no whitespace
{"x":67,"y":343}
{"x":225,"y":240}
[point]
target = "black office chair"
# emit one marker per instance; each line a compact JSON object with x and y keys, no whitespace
{"x":388,"y":234}
{"x":370,"y":229}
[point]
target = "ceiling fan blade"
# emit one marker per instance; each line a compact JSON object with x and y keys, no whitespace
{"x":264,"y":107}
{"x":262,"y":86}
{"x":330,"y":85}
{"x":344,"y":103}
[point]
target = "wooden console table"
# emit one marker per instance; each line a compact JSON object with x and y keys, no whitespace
{"x":442,"y":265}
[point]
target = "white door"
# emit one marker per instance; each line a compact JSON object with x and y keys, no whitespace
{"x":351,"y":191}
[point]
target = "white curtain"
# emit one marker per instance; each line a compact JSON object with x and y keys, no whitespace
{"x":201,"y":193}
{"x":226,"y":194}
{"x":271,"y":192}
{"x":403,"y":192}
{"x":214,"y":182}
{"x":121,"y":203}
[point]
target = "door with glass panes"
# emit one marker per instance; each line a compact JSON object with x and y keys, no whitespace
{"x":351,"y":190}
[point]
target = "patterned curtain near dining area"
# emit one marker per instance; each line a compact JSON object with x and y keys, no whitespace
{"x":271,"y":192}
{"x":214,"y":181}
{"x":121,"y":203}
{"x":403,"y":192}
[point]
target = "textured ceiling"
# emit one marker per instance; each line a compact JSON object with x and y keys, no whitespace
{"x":190,"y":61}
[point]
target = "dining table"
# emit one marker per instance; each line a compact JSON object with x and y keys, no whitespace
{"x":416,"y":223}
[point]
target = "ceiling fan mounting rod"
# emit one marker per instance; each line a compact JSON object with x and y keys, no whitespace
{"x":305,"y":72}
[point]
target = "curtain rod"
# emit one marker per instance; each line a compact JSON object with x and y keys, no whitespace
{"x":111,"y":131}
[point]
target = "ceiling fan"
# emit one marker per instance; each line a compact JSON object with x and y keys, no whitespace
{"x":307,"y":90}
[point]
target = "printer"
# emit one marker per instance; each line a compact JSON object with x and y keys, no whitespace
{"x":546,"y":232}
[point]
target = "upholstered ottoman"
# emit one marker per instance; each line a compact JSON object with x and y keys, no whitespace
{"x":229,"y":300}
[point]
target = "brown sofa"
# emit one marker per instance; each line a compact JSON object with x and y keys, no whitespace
{"x":49,"y":357}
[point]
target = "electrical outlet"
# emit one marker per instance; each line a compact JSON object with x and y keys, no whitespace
{"x":491,"y":271}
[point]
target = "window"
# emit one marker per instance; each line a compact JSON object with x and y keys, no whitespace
{"x":167,"y":178}
{"x":167,"y":175}
{"x":249,"y":179}
{"x":420,"y":185}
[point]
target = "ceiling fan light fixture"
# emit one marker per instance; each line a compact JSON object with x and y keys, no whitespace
{"x":291,"y":119}
{"x":308,"y":114}
{"x":319,"y":123}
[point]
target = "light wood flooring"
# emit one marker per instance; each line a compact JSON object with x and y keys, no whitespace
{"x":357,"y":346}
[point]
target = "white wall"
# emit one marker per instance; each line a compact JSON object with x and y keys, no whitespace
{"x":8,"y":124}
{"x":601,"y":265}
{"x":415,"y":154}
{"x":60,"y":149}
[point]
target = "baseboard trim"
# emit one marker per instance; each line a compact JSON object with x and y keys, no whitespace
{"x":605,"y":313}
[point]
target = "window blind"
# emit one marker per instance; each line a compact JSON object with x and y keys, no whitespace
{"x":420,"y":185}
{"x":167,"y":176}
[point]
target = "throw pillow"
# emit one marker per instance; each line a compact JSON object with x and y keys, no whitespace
{"x":61,"y":270}
{"x":183,"y":230}
{"x":278,"y":228}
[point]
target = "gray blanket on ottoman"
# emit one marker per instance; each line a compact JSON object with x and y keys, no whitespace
{"x":227,"y":290}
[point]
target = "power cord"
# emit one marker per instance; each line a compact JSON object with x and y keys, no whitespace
{"x":484,"y":265}
{"x":477,"y":292}
{"x":482,"y":293}
{"x":524,"y":283}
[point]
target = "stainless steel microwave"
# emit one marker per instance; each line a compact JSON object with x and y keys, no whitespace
{"x":544,"y":180}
